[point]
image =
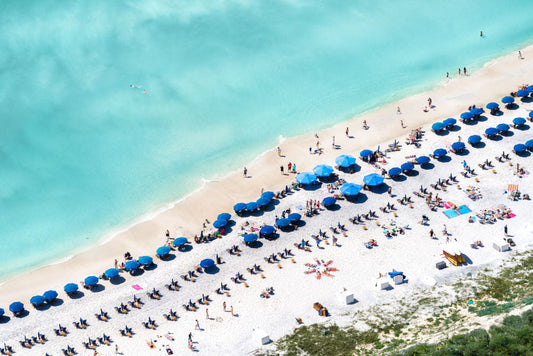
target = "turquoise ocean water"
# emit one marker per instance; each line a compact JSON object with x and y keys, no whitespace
{"x":82,"y":153}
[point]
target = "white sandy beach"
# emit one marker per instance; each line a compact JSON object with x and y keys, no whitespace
{"x":295,"y":292}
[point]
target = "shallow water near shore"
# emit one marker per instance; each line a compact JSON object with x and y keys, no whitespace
{"x":82,"y":152}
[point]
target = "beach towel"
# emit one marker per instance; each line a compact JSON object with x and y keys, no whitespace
{"x":463,"y":209}
{"x":450,"y":213}
{"x":511,"y":215}
{"x":136,"y":287}
{"x":512,"y":187}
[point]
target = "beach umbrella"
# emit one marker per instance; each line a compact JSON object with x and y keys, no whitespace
{"x":163,"y":251}
{"x":530,"y":88}
{"x":474,"y":139}
{"x":476,"y":111}
{"x":423,"y":160}
{"x":131,"y":265}
{"x":373,"y":179}
{"x":305,"y":178}
{"x":50,"y":295}
{"x":93,"y":280}
{"x":146,"y":260}
{"x":111,"y":273}
{"x":16,"y":307}
{"x":345,"y":161}
{"x":268,"y":195}
{"x":251,"y":206}
{"x":267,"y":230}
{"x":250,"y":238}
{"x":437,"y":126}
{"x":531,"y":114}
{"x":458,"y":146}
{"x":263,"y":201}
{"x":518,"y":121}
{"x":294,"y":217}
{"x":491,"y":131}
{"x":394,"y":171}
{"x":283,"y":222}
{"x":439,"y":152}
{"x":407,"y":166}
{"x":328,"y":201}
{"x":37,"y":300}
{"x":365,"y":153}
{"x":219,"y":223}
{"x":519,"y":148}
{"x":507,"y":100}
{"x":522,"y":92}
{"x":323,"y":170}
{"x":239,"y":207}
{"x":492,"y":106}
{"x":351,"y":189}
{"x":70,"y":288}
{"x":502,"y":127}
{"x":180,"y":241}
{"x":466,"y":115}
{"x":529,"y":144}
{"x":449,"y":122}
{"x":1,"y":313}
{"x":224,"y":216}
{"x":207,"y":263}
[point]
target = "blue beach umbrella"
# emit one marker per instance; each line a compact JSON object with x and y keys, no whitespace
{"x":439,"y":152}
{"x":350,"y":189}
{"x":267,"y":230}
{"x":519,"y":148}
{"x":180,"y":241}
{"x":449,"y":122}
{"x":423,"y":160}
{"x":37,"y":300}
{"x":70,"y":288}
{"x":146,"y":260}
{"x":268,"y":195}
{"x":437,"y":126}
{"x":394,"y":171}
{"x":507,"y":100}
{"x":492,"y":106}
{"x":1,"y":313}
{"x":294,"y":217}
{"x":16,"y":307}
{"x":328,"y":201}
{"x":207,"y":263}
{"x":250,"y":238}
{"x":518,"y":121}
{"x":407,"y":166}
{"x":283,"y":222}
{"x":345,"y":161}
{"x":323,"y":170}
{"x":305,"y":178}
{"x":474,"y":139}
{"x":466,"y":115}
{"x":491,"y":131}
{"x":373,"y":179}
{"x":224,"y":216}
{"x":131,"y":265}
{"x":531,"y":114}
{"x":263,"y":201}
{"x":502,"y":127}
{"x":220,"y":223}
{"x":458,"y":146}
{"x":93,"y":280}
{"x":251,"y":206}
{"x":365,"y":153}
{"x":50,"y":295}
{"x":522,"y":92}
{"x":111,"y":273}
{"x":529,"y":144}
{"x":476,"y":111}
{"x":239,"y":207}
{"x":163,"y":251}
{"x":530,"y":88}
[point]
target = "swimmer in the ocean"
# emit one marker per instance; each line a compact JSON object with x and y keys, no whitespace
{"x":145,"y":92}
{"x":133,"y":86}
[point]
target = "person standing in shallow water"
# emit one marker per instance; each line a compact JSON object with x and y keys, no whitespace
{"x":464,"y":70}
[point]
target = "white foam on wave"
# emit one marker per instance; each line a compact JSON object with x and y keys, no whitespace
{"x":61,"y":260}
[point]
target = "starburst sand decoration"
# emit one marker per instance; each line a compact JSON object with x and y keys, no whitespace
{"x":320,"y":268}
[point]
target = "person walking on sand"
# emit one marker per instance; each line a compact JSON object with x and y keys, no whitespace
{"x":197,"y":327}
{"x":116,"y":349}
{"x":505,"y":231}
{"x":281,"y":169}
{"x":347,"y":132}
{"x":398,"y":111}
{"x":232,"y":311}
{"x":317,"y":144}
{"x":207,"y":314}
{"x":431,"y":233}
{"x":520,"y":55}
{"x":333,"y":142}
{"x":279,"y":151}
{"x":224,"y":306}
{"x":245,"y":172}
{"x":401,"y":123}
